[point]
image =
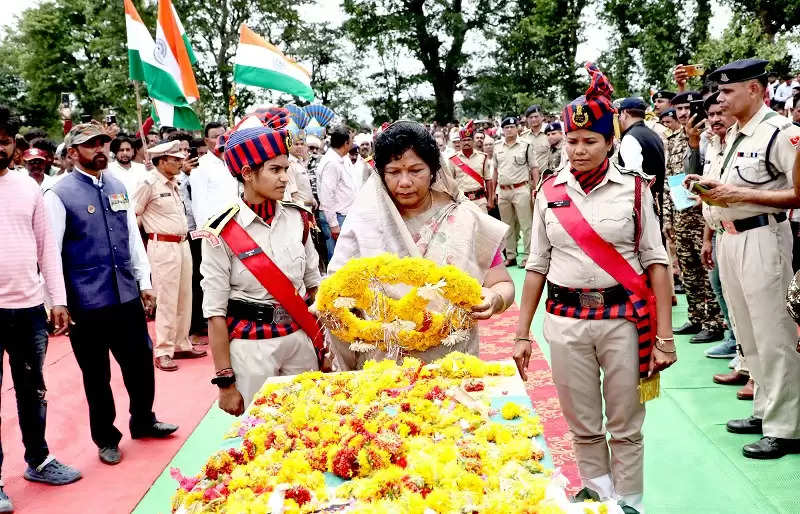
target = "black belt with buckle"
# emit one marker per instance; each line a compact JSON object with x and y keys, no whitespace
{"x":592,"y":299}
{"x":258,"y":312}
{"x":752,"y":222}
{"x":475,"y":195}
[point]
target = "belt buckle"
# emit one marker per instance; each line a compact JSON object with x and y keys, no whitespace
{"x":280,"y":316}
{"x":729,"y":227}
{"x":592,"y":300}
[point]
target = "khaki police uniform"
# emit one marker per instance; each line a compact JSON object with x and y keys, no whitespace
{"x":554,"y":154}
{"x":468,"y":185}
{"x":161,"y":210}
{"x":755,"y":267}
{"x":226,"y":278}
{"x":581,"y":349}
{"x":513,"y":163}
{"x":540,"y":145}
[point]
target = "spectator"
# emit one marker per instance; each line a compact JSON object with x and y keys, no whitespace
{"x":28,"y":246}
{"x":213,"y":187}
{"x":123,"y":167}
{"x":336,"y":187}
{"x":107,"y":280}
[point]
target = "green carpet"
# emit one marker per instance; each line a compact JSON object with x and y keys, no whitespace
{"x":692,"y":464}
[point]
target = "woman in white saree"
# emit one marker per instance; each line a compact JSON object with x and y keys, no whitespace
{"x":412,"y":209}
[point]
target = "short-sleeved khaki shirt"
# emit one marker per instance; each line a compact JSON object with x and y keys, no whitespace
{"x":225,"y":277}
{"x":540,"y":147}
{"x":744,"y":161}
{"x":159,"y":204}
{"x":476,"y":161}
{"x":609,"y":210}
{"x":513,"y":162}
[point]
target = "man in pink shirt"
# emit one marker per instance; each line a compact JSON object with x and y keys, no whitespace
{"x":28,"y":246}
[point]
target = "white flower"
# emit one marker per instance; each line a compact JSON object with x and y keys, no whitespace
{"x":459,"y":336}
{"x":394,"y":328}
{"x":361,"y":346}
{"x":344,"y":302}
{"x":431,"y":291}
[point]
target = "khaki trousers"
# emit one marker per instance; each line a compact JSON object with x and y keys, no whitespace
{"x":755,"y":268}
{"x":171,"y":267}
{"x":516,"y":210}
{"x":579,"y":350}
{"x":255,"y":360}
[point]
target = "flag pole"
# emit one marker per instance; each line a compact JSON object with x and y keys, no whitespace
{"x":139,"y":119}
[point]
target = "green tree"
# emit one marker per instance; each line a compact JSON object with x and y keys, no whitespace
{"x":745,"y":37}
{"x":654,"y":36}
{"x":775,"y":16}
{"x":213,"y":28}
{"x":74,"y":46}
{"x":537,"y":41}
{"x":334,"y":72}
{"x":433,"y":32}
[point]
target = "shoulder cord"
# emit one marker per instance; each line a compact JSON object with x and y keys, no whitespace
{"x":637,"y":213}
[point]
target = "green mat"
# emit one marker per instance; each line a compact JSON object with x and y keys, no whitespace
{"x":692,"y":464}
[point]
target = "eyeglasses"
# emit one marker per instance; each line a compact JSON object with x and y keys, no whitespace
{"x":312,"y":147}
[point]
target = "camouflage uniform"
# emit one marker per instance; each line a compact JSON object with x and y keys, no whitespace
{"x":688,"y":227}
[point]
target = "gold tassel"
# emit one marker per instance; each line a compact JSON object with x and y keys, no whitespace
{"x":649,"y":388}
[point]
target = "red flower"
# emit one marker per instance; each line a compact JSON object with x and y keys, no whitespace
{"x":344,"y":463}
{"x":435,"y":393}
{"x":299,"y":494}
{"x":401,"y":461}
{"x":475,"y":385}
{"x":405,"y":406}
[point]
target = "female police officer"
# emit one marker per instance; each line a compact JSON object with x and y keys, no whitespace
{"x":596,"y":243}
{"x":259,"y":270}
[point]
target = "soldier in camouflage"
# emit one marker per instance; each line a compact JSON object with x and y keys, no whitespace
{"x":705,"y":319}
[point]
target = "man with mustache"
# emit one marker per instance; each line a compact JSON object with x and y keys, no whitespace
{"x":705,"y":321}
{"x":107,"y":279}
{"x":758,"y":183}
{"x":162,"y":213}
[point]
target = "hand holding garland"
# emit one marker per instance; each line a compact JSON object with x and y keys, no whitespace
{"x":497,"y":294}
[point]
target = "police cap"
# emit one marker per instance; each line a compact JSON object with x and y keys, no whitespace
{"x":739,"y":71}
{"x":685,"y":97}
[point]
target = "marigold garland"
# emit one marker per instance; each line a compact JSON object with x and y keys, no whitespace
{"x":352,"y":307}
{"x":402,"y":435}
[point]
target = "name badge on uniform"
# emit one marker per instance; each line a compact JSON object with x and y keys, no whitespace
{"x":205,"y":234}
{"x":164,"y":195}
{"x":751,"y":155}
{"x":118,"y":202}
{"x":560,"y":203}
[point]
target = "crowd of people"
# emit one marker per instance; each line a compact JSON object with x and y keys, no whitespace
{"x":229,"y":232}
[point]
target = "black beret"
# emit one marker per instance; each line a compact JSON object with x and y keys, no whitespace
{"x":739,"y":71}
{"x":667,"y":95}
{"x":632,"y":103}
{"x":686,"y":97}
{"x":508,"y":120}
{"x":532,"y":109}
{"x":712,"y":99}
{"x":669,"y":112}
{"x":553,"y":127}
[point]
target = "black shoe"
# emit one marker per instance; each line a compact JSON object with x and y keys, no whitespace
{"x":110,"y":455}
{"x":771,"y":448}
{"x":687,"y":328}
{"x":706,"y":336}
{"x":751,"y":425}
{"x":157,"y":430}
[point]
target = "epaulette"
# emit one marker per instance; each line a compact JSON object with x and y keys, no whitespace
{"x":787,"y":128}
{"x":217,"y":222}
{"x":634,"y":172}
{"x":150,"y":178}
{"x":296,"y":206}
{"x":546,"y":175}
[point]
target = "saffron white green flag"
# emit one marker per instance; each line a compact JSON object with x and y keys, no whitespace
{"x":164,"y":66}
{"x":258,"y":63}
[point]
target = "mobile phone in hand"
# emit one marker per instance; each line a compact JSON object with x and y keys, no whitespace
{"x":65,"y":100}
{"x":86,"y":118}
{"x":695,"y":70}
{"x":701,"y":189}
{"x":698,"y":110}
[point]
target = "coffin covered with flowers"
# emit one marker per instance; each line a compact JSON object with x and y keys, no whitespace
{"x":454,"y":436}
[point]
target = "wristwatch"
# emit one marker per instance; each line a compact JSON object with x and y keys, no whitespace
{"x":222,"y":382}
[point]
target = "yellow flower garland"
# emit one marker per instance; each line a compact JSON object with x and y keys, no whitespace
{"x":398,"y":432}
{"x":404,"y":322}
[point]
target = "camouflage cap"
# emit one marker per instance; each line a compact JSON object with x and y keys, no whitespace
{"x":793,"y":298}
{"x":83,"y":133}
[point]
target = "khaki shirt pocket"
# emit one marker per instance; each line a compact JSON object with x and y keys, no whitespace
{"x":616,"y":224}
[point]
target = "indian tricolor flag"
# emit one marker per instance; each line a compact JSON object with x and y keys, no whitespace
{"x":258,"y":63}
{"x":164,"y":66}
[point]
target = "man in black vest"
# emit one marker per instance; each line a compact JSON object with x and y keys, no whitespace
{"x":640,"y":147}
